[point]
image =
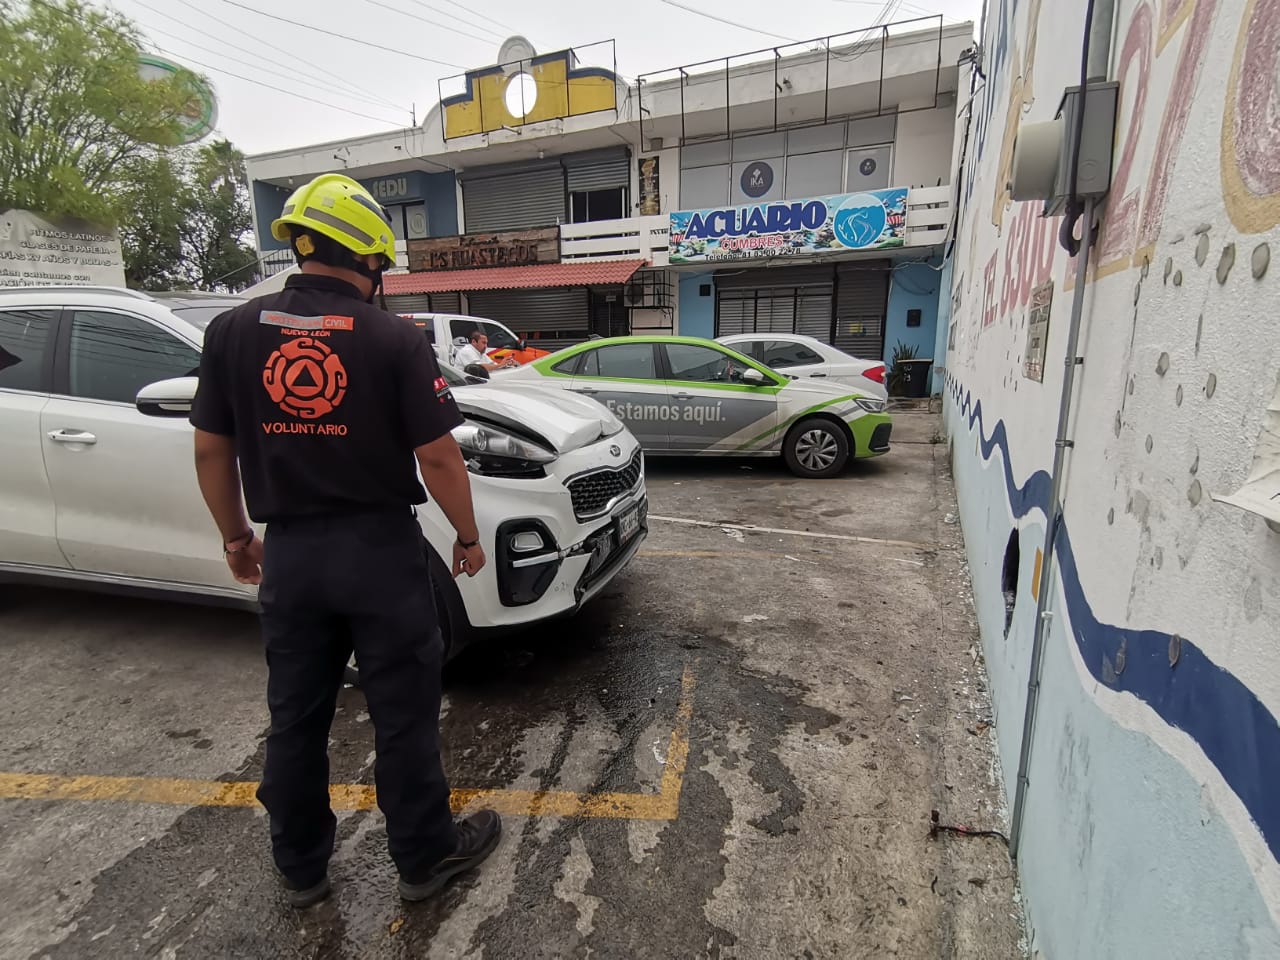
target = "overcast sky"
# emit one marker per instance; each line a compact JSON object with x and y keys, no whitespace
{"x":233,"y":46}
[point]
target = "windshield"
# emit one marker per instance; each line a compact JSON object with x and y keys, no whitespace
{"x":500,"y":337}
{"x":200,"y":315}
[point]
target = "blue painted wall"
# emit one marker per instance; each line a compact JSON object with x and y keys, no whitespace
{"x":697,"y":314}
{"x":437,"y":190}
{"x":914,"y":286}
{"x":441,"y":193}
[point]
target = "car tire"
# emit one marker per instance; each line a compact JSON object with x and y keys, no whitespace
{"x":816,"y":448}
{"x":455,"y":629}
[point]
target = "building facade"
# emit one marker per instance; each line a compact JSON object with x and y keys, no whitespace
{"x":1151,"y":824}
{"x":809,"y":186}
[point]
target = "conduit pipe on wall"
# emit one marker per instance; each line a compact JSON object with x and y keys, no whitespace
{"x":1095,"y":65}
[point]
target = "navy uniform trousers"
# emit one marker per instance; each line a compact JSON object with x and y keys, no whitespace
{"x":332,"y":584}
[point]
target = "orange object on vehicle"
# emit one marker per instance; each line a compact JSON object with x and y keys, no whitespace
{"x":527,"y":355}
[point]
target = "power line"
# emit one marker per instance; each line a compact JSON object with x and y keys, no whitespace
{"x":270,"y":86}
{"x":473,"y":14}
{"x":339,"y":36}
{"x":434,"y":23}
{"x":729,"y":23}
{"x":248,"y":63}
{"x":305,"y":71}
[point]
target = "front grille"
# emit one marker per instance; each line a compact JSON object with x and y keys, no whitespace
{"x":592,"y":492}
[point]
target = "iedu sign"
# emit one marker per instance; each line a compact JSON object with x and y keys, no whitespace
{"x":403,"y":187}
{"x":872,"y":220}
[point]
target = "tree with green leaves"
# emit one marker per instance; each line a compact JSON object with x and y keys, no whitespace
{"x":75,"y":113}
{"x":83,"y":134}
{"x":188,"y":221}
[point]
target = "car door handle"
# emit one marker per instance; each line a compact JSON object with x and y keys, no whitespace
{"x":683,"y":396}
{"x":585,"y":390}
{"x":816,"y":375}
{"x":71,"y":436}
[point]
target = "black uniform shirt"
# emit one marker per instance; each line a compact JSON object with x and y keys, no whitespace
{"x":326,"y":396}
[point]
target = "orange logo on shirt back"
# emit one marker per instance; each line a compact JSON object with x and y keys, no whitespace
{"x":306,"y":378}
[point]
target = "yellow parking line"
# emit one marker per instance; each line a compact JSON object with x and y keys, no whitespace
{"x":664,"y":805}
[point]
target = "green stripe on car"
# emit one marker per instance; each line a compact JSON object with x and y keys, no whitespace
{"x":783,"y":426}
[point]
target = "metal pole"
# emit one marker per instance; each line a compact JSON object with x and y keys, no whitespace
{"x":776,"y":57}
{"x":1104,"y":12}
{"x":884,"y":41}
{"x":1053,"y":519}
{"x":826,"y":83}
{"x":937,"y":76}
{"x":683,"y":134}
{"x":728,"y":126}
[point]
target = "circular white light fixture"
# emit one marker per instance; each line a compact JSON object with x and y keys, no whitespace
{"x":521,"y":94}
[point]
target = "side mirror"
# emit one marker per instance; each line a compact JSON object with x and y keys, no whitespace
{"x":753,"y":377}
{"x":476,"y":372}
{"x":524,"y":344}
{"x":167,"y":398}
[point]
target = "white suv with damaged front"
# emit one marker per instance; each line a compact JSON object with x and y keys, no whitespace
{"x":98,"y":487}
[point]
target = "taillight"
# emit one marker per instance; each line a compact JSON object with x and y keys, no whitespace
{"x":875,"y":373}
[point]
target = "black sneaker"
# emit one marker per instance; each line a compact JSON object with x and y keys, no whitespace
{"x":301,"y":899}
{"x":478,"y":835}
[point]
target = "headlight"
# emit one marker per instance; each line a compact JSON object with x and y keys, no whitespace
{"x":494,"y":452}
{"x":870,"y":404}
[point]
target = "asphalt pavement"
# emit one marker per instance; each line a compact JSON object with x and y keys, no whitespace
{"x":733,"y":753}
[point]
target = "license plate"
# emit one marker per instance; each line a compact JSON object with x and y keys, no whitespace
{"x":628,"y":525}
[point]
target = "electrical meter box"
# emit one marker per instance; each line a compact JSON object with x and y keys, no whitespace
{"x":1042,"y":153}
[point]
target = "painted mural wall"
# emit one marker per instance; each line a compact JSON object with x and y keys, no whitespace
{"x":1153,"y":812}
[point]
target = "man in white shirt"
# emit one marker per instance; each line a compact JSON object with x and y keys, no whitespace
{"x":475,"y":352}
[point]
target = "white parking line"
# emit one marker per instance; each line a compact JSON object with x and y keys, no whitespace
{"x":751,"y":528}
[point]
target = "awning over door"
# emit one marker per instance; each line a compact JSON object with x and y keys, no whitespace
{"x":574,"y":274}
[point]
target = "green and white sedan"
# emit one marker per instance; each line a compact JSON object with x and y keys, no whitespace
{"x":685,"y":395}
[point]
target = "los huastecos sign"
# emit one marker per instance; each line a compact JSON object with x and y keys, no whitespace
{"x":510,"y":248}
{"x":871,"y":220}
{"x":35,"y":252}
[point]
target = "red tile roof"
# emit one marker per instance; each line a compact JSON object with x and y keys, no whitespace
{"x":578,"y":273}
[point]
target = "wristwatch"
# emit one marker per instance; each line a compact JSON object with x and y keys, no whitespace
{"x":468,"y":546}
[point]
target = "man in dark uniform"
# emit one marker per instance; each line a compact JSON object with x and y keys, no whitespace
{"x":326,"y":401}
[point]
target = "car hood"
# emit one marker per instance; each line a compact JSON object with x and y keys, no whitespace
{"x":564,"y":420}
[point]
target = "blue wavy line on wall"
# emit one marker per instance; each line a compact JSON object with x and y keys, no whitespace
{"x":1221,"y":714}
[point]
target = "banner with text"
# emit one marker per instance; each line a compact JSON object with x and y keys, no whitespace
{"x":37,"y":253}
{"x":871,"y":220}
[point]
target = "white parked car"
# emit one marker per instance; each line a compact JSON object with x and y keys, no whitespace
{"x":98,"y":487}
{"x":798,"y":357}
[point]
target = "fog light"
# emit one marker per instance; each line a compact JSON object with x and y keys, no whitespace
{"x":527,"y":541}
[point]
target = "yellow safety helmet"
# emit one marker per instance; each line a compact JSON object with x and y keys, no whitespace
{"x":339,"y":208}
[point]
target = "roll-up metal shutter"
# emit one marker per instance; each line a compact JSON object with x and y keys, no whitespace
{"x":514,"y":201}
{"x":791,"y":300}
{"x":549,"y":318}
{"x":425,"y":303}
{"x":862,"y":291}
{"x":735,"y":314}
{"x":598,"y":170}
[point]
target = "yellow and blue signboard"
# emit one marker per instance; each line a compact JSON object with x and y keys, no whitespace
{"x":870,"y":220}
{"x":558,"y":90}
